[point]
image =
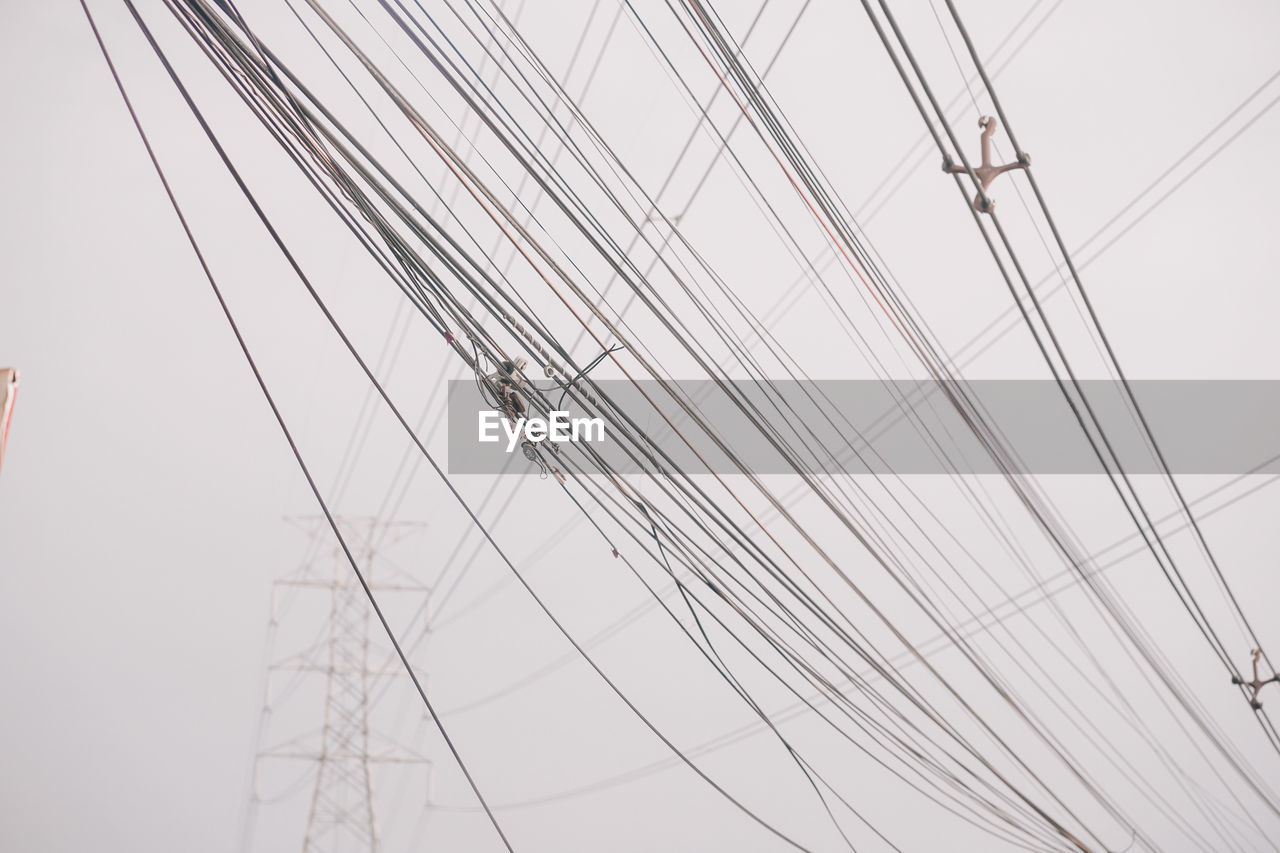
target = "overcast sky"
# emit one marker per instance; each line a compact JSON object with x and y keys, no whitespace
{"x":145,"y":491}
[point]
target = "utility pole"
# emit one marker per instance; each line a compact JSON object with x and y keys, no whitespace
{"x":345,"y":748}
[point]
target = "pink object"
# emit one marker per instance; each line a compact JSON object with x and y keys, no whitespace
{"x":986,"y":173}
{"x":8,"y":391}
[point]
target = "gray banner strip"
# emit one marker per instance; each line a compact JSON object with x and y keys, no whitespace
{"x":909,"y":427}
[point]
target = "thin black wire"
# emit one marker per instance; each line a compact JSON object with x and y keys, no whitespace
{"x":799,"y":707}
{"x":752,"y":91}
{"x":244,"y":348}
{"x":1088,"y":303}
{"x":1164,"y":675}
{"x":372,"y":378}
{"x":587,"y":369}
{"x":1187,"y":598}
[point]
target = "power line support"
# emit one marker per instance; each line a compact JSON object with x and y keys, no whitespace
{"x":342,"y":816}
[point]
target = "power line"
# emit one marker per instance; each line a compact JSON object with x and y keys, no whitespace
{"x":244,"y":348}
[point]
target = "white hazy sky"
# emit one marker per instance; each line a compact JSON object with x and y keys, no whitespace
{"x":143,"y":498}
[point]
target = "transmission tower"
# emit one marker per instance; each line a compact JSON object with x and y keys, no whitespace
{"x":346,"y":746}
{"x":342,"y":800}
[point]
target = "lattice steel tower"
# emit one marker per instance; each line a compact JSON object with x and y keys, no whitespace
{"x":342,"y":800}
{"x":341,"y":817}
